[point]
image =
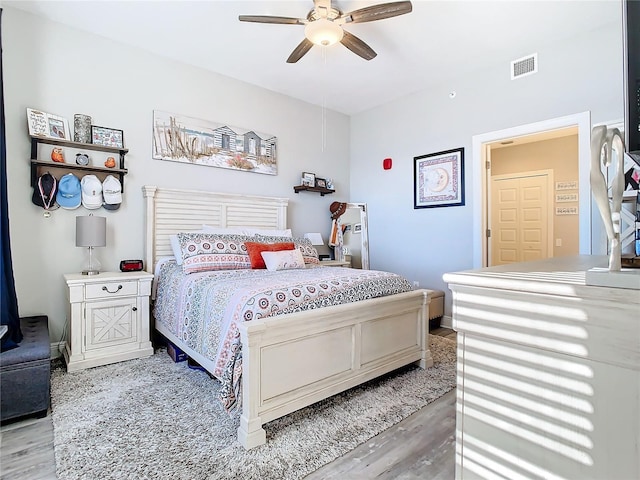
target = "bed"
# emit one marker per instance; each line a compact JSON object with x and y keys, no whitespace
{"x":292,"y":360}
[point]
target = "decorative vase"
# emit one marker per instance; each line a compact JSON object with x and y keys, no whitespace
{"x":82,"y":128}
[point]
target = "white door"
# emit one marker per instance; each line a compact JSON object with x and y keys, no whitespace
{"x":520,"y":217}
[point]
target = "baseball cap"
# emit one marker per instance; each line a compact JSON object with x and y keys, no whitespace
{"x":91,"y":192}
{"x":44,"y":191}
{"x":112,"y":193}
{"x":69,"y":192}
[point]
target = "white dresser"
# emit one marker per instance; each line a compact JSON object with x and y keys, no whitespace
{"x":548,"y":373}
{"x":108,"y":318}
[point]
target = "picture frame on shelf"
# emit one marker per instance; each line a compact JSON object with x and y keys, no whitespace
{"x":308,"y":179}
{"x":107,"y":137}
{"x":37,"y":123}
{"x":439,"y":179}
{"x":321,"y":182}
{"x":42,"y":124}
{"x":58,"y":127}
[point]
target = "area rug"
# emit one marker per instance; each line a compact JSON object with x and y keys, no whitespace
{"x":155,"y":419}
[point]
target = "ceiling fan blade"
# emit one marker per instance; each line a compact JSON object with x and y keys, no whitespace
{"x":270,"y":19}
{"x":377,"y":12}
{"x":357,"y":46}
{"x":299,"y":52}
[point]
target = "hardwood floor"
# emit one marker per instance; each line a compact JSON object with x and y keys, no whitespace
{"x":421,"y":446}
{"x":26,"y":450}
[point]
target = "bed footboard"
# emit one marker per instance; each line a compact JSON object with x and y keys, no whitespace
{"x":291,"y":362}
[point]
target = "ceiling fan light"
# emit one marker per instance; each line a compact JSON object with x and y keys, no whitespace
{"x":323,"y":32}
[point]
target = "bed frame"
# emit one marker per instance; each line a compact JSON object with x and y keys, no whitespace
{"x":291,"y":361}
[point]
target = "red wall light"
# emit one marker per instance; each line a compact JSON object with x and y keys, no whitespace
{"x":386,"y":163}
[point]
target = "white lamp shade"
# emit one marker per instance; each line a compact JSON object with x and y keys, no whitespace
{"x":315,"y":238}
{"x":91,"y":231}
{"x":323,"y":32}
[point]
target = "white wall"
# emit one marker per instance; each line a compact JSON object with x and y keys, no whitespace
{"x":583,"y":74}
{"x":64,"y":71}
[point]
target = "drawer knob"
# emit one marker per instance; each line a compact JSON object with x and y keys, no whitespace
{"x":135,"y":309}
{"x":109,"y":291}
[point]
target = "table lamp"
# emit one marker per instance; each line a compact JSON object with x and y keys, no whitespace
{"x":314,"y":238}
{"x":91,"y":232}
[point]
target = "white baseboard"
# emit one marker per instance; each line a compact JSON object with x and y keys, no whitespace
{"x":446,"y":321}
{"x":56,"y":349}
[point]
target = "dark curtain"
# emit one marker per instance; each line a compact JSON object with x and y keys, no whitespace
{"x":10,"y":316}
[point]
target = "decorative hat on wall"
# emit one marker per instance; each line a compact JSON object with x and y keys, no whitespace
{"x":112,"y":192}
{"x":69,"y":192}
{"x":91,"y":192}
{"x":337,"y":209}
{"x":44,"y":191}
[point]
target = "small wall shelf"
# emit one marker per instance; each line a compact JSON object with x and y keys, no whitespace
{"x":321,"y":190}
{"x":40,"y":166}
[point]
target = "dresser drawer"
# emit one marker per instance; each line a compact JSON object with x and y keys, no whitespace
{"x":111,"y":289}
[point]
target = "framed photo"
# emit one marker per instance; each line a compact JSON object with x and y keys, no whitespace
{"x":43,"y":124}
{"x":321,"y":182}
{"x":438,"y":179}
{"x":58,"y":127}
{"x":357,"y":228}
{"x":107,"y":137}
{"x":308,"y":179}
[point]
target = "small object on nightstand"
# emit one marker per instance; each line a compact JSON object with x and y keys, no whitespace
{"x":131,"y":266}
{"x":91,"y":232}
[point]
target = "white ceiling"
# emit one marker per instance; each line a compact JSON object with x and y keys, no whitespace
{"x":436,"y":43}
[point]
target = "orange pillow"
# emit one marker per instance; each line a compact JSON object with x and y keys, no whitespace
{"x":255,"y":250}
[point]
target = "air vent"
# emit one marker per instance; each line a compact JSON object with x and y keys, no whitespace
{"x":524,"y":66}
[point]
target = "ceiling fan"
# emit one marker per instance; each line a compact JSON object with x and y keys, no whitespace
{"x":323,"y":26}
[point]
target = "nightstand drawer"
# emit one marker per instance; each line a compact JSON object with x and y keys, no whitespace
{"x":111,"y":289}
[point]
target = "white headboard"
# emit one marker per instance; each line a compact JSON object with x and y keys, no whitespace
{"x":169,"y":211}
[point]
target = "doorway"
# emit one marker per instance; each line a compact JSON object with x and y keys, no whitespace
{"x":520,"y":220}
{"x":480,"y":173}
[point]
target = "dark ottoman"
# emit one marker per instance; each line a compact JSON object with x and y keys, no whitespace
{"x":25,"y":372}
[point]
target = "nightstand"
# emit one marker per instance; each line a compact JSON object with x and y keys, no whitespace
{"x":335,"y":263}
{"x":108,"y":317}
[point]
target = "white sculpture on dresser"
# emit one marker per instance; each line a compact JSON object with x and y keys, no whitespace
{"x":607,"y":147}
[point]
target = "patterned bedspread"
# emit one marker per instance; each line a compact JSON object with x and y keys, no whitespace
{"x":204,"y":309}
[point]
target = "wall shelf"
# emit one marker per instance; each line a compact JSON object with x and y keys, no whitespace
{"x":38,"y":167}
{"x":321,"y":190}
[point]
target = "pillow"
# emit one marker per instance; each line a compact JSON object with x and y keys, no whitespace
{"x":283,"y":260}
{"x":309,"y":252}
{"x":175,"y":246}
{"x":248,"y":231}
{"x":207,"y":251}
{"x":255,"y":249}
